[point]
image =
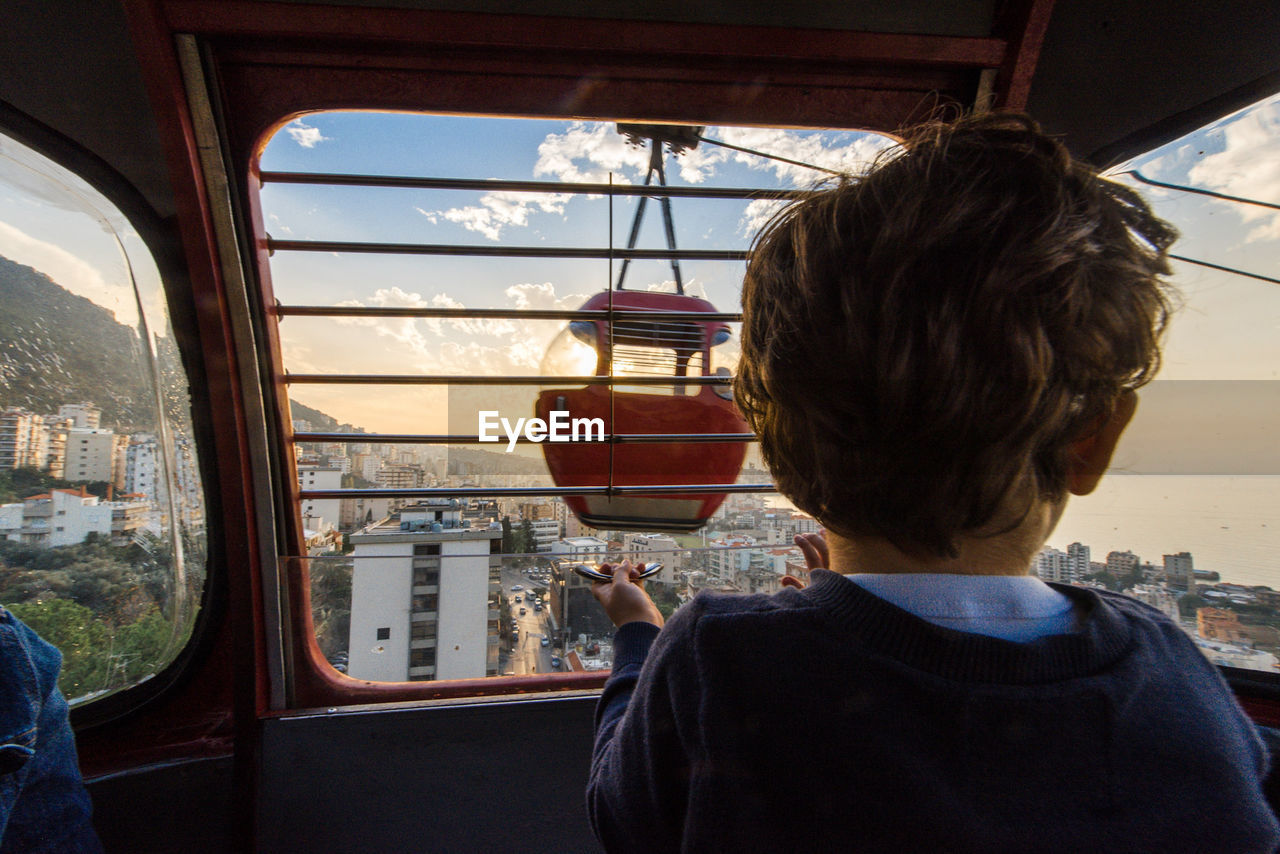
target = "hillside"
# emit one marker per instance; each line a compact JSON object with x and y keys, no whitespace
{"x":56,"y":348}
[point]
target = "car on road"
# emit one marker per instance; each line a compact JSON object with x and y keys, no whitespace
{"x":546,"y":642}
{"x":555,"y":662}
{"x":524,"y":611}
{"x":515,"y":587}
{"x":518,"y":600}
{"x":537,"y":608}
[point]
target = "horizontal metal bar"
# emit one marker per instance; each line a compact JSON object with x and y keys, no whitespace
{"x":533,"y":491}
{"x":502,"y":313}
{"x":456,"y":439}
{"x":444,"y":379}
{"x":505,"y":251}
{"x":549,"y":555}
{"x":501,"y":185}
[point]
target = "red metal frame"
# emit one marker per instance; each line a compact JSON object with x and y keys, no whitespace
{"x":272,"y":62}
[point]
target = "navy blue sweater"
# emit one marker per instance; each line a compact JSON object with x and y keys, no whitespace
{"x":830,"y":720}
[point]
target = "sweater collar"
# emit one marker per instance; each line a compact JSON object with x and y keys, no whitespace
{"x":888,"y":630}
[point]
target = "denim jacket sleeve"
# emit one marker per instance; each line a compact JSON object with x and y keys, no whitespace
{"x":43,"y":803}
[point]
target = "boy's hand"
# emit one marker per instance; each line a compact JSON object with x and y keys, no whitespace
{"x":816,"y":556}
{"x":624,"y":599}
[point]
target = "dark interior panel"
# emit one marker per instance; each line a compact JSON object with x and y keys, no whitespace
{"x":481,"y":776}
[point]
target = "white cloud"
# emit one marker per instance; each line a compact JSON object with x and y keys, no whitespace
{"x":588,"y":152}
{"x":758,"y":214}
{"x":499,"y":210}
{"x":304,"y":134}
{"x":1246,"y":168}
{"x":542,"y":296}
{"x":279,"y":223}
{"x":814,"y":149}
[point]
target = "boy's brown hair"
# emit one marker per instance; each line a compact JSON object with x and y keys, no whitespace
{"x":919,"y":338}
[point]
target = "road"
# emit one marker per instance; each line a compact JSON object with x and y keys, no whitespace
{"x":528,"y":655}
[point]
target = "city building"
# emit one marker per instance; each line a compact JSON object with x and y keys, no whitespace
{"x":1121,"y":564}
{"x":19,"y":430}
{"x":573,"y":608}
{"x":1157,"y":596}
{"x":142,"y":466}
{"x":320,"y":514}
{"x":65,"y":517}
{"x":95,"y":455}
{"x":1052,"y":565}
{"x":425,"y":596}
{"x":655,"y":548}
{"x":55,"y":430}
{"x":85,"y":416}
{"x":1179,"y":571}
{"x":1078,"y":563}
{"x":545,"y":533}
{"x":400,"y":477}
{"x":581,"y":548}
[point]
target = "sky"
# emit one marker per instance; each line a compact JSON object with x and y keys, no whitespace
{"x":1211,"y":415}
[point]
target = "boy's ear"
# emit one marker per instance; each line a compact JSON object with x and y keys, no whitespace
{"x":1089,"y":456}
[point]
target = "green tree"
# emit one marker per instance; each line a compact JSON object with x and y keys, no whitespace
{"x":331,"y":604}
{"x":508,"y":536}
{"x":528,"y":542}
{"x":664,"y":596}
{"x":142,"y":647}
{"x":80,"y":638}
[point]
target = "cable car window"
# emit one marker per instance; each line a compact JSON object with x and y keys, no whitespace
{"x":102,"y":538}
{"x":517,"y":338}
{"x":428,"y":270}
{"x":1186,"y":520}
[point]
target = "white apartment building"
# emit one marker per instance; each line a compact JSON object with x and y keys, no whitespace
{"x":96,"y":455}
{"x":1052,"y":565}
{"x":545,"y":533}
{"x":581,"y":548}
{"x":320,"y":514}
{"x":85,"y":416}
{"x":367,"y":466}
{"x":19,"y":431}
{"x":424,"y":597}
{"x":660,"y":548}
{"x":142,"y":466}
{"x":64,"y":517}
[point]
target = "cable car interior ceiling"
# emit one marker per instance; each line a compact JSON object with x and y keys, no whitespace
{"x":99,"y":87}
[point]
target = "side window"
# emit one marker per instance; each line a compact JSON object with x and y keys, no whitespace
{"x":102,"y":528}
{"x":583,"y":274}
{"x":1185,"y":521}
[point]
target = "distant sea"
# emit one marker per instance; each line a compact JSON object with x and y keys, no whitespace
{"x":1229,"y":523}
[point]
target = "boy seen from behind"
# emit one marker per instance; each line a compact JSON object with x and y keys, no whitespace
{"x":935,"y":355}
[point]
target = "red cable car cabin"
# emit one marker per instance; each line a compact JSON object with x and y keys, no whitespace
{"x":643,"y":349}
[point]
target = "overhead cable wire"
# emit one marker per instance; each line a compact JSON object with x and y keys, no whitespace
{"x":777,"y":157}
{"x":1200,"y":192}
{"x":1224,"y":269}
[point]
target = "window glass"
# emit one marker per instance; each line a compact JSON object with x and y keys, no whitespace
{"x":102,"y":529}
{"x":495,"y":597}
{"x":1186,"y":519}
